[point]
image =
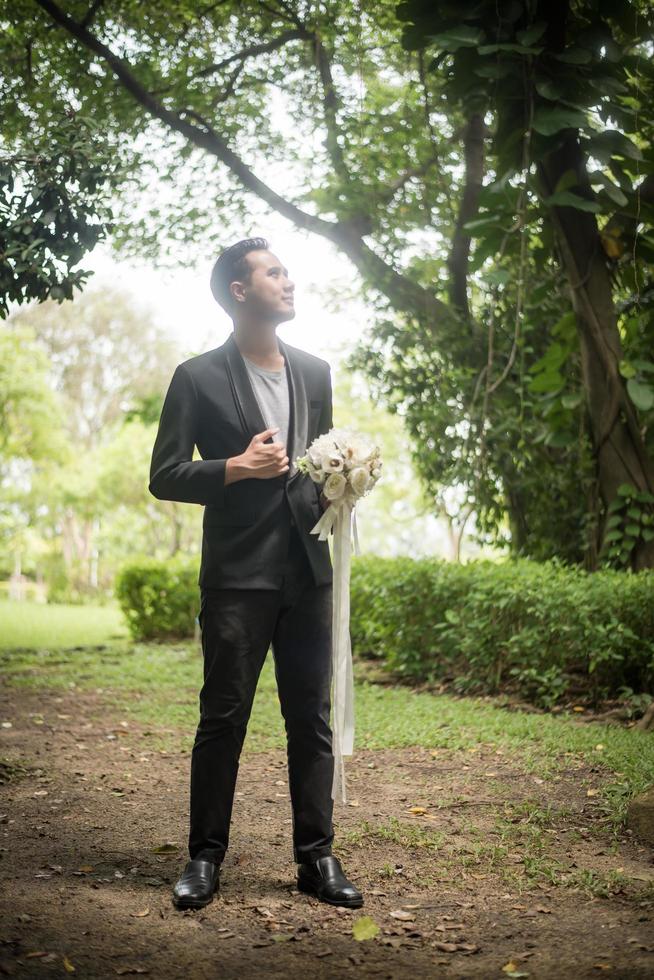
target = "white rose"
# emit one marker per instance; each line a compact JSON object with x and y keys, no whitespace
{"x":334,"y":486}
{"x":315,"y":474}
{"x":359,"y":480}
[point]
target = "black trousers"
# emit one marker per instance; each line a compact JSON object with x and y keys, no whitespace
{"x":238,"y":627}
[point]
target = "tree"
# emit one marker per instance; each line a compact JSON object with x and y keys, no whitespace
{"x":31,"y":434}
{"x":105,"y":355}
{"x":567,"y":98}
{"x":98,"y":358}
{"x":196,"y":85}
{"x":31,"y":414}
{"x":53,"y":210}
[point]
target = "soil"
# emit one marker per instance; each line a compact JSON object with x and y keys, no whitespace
{"x":86,"y":894}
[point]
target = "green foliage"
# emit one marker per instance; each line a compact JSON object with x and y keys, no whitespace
{"x":159,"y":598}
{"x":589,"y":71}
{"x":541,"y":77}
{"x":69,"y":375}
{"x":31,"y":412}
{"x":106,"y":354}
{"x":531,"y":459}
{"x":542,"y":630}
{"x":630,"y":518}
{"x":53,"y":209}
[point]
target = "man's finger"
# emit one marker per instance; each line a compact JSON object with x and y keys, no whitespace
{"x":266,"y":433}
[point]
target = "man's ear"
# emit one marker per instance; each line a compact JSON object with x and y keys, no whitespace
{"x":237,"y":289}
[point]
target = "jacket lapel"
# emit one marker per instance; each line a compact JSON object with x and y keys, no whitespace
{"x":246,"y":401}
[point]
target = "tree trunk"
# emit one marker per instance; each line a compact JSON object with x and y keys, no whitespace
{"x":619,"y":448}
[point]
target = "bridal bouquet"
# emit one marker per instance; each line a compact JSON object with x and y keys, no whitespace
{"x":347,"y":466}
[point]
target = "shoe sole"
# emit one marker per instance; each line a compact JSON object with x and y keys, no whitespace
{"x":351,"y":903}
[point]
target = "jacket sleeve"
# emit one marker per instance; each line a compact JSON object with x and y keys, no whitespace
{"x":174,"y":474}
{"x":326,"y":417}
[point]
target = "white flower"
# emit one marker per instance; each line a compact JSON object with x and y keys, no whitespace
{"x":357,"y":453}
{"x":359,"y":480}
{"x":334,"y":487}
{"x":332,"y":463}
{"x":344,"y":461}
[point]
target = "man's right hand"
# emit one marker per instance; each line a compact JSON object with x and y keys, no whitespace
{"x":260,"y":461}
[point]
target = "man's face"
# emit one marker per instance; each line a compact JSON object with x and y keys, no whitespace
{"x":269,"y":293}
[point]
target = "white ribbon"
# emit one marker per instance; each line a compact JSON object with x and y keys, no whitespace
{"x":339,"y":515}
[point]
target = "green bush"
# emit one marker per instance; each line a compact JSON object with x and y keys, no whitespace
{"x":160,"y":599}
{"x":545,"y":630}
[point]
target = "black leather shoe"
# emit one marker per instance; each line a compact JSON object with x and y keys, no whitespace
{"x":196,"y":885}
{"x":325,"y":879}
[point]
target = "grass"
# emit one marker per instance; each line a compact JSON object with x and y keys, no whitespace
{"x":473,"y":852}
{"x":158,"y":686}
{"x":37,"y":624}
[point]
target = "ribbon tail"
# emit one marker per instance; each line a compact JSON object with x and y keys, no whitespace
{"x":357,"y":550}
{"x":324,"y":524}
{"x":342,"y":674}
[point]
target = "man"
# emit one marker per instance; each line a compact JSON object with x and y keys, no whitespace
{"x":252,"y":406}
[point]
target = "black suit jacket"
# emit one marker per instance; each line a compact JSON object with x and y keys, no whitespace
{"x":211,"y":404}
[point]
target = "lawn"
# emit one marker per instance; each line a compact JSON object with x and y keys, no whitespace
{"x":38,"y":625}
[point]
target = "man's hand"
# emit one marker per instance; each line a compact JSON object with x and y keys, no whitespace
{"x":260,"y":461}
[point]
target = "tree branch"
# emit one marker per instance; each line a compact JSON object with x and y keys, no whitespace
{"x":199,"y":15}
{"x":473,"y":143}
{"x":330,"y":104}
{"x":404,"y":294}
{"x":91,"y":12}
{"x":250,"y":52}
{"x":390,"y":190}
{"x":288,"y":12}
{"x":206,"y":138}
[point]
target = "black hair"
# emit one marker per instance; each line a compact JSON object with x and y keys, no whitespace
{"x":232,"y":265}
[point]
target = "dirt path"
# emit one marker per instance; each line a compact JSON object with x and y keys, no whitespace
{"x":85,"y":892}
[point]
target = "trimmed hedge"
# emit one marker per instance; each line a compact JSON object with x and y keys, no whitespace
{"x":544,"y":629}
{"x":160,"y":599}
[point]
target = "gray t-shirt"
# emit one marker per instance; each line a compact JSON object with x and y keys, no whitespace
{"x":271,"y":391}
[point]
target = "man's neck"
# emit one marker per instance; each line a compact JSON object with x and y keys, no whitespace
{"x":259,"y":345}
{"x":257,"y":340}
